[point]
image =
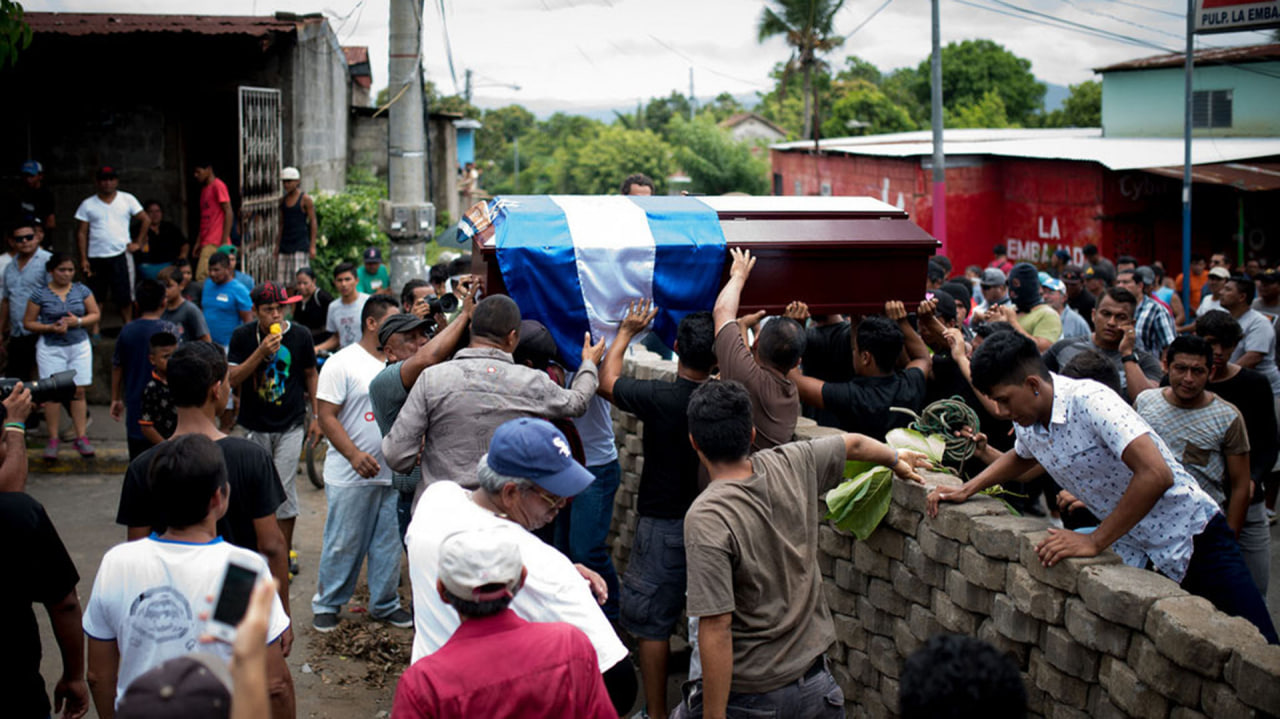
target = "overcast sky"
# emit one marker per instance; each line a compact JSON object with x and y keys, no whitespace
{"x":571,"y":54}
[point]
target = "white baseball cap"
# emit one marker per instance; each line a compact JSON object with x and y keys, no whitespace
{"x":290,"y":173}
{"x":481,"y":557}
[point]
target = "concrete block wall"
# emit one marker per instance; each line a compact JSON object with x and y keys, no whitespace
{"x":1093,"y":637}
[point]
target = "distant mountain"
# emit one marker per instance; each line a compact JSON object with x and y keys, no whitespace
{"x":1054,"y":95}
{"x":544,"y":108}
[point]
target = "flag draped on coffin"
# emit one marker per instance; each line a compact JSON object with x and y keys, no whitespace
{"x":574,"y":262}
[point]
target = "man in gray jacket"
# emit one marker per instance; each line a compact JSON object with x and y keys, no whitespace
{"x":457,"y":404}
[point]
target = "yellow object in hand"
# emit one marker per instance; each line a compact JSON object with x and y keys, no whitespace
{"x":275,"y":328}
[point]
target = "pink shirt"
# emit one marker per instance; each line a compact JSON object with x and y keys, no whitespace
{"x":504,"y":666}
{"x":211,"y":219}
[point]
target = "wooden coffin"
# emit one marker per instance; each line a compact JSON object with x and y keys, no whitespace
{"x":837,"y":254}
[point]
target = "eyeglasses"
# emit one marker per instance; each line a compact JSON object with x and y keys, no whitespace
{"x":552,"y":500}
{"x":23,"y":238}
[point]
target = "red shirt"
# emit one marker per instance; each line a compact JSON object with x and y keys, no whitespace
{"x":211,"y":218}
{"x":504,"y":666}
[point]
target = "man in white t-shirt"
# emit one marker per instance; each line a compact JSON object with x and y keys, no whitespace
{"x":345,"y":313}
{"x":524,"y":480}
{"x":357,"y":484}
{"x":149,"y":595}
{"x":102,"y":237}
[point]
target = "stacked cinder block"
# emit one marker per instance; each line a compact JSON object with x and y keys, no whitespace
{"x":1093,"y":637}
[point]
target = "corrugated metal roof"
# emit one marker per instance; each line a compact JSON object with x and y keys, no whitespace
{"x":1081,"y":144}
{"x":1251,"y":177}
{"x":1208,"y":56}
{"x":78,"y":24}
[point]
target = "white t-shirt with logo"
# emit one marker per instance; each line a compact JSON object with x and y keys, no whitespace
{"x":343,"y":320}
{"x":108,"y":223}
{"x":344,"y":380}
{"x":148,"y":597}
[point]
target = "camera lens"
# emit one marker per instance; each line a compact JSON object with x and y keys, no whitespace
{"x":449,"y":303}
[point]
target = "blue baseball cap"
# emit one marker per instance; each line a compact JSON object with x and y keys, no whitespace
{"x":536,"y":450}
{"x":31,"y":167}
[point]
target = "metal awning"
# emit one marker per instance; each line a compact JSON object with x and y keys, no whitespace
{"x":1250,"y":177}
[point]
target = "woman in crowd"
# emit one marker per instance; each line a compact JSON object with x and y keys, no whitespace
{"x":313,"y":311}
{"x":59,"y":312}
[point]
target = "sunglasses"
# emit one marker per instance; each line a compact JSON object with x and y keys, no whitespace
{"x":23,"y":238}
{"x":552,"y":500}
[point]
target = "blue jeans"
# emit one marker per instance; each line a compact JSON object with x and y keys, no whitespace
{"x":1218,"y":573}
{"x":813,"y":696}
{"x":404,"y":512}
{"x":582,"y":532}
{"x":361,"y":522}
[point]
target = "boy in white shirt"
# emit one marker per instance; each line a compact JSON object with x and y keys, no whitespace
{"x":149,"y":596}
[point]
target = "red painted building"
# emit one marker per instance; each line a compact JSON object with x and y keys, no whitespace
{"x":1036,"y":191}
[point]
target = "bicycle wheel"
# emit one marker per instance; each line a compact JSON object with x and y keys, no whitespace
{"x":314,"y":460}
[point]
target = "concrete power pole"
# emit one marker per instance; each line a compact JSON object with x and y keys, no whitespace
{"x":408,"y":218}
{"x":939,"y":157}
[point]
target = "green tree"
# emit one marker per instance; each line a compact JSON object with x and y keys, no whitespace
{"x":899,"y":87}
{"x":597,"y":164}
{"x":15,"y":33}
{"x":1082,"y":108}
{"x":862,"y":101}
{"x":722,"y":108}
{"x":989,"y":111}
{"x":659,"y":112}
{"x":972,"y":68}
{"x":855,"y":68}
{"x":809,"y":28}
{"x":784,"y":104}
{"x":716,"y":163}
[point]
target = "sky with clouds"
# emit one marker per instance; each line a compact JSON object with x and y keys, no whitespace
{"x":579,"y":54}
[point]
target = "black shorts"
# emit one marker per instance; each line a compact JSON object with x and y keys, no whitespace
{"x":113,"y":274}
{"x":22,"y":357}
{"x":653,"y":588}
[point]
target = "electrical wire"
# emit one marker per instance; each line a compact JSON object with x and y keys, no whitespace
{"x":870,"y":17}
{"x":1121,"y":20}
{"x":448,"y":46}
{"x":693,"y":62}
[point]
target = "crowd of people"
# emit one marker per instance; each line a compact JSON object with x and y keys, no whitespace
{"x":460,"y":441}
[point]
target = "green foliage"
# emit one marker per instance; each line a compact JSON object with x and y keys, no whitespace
{"x":715,"y":161}
{"x":15,"y":33}
{"x":348,"y":223}
{"x":722,"y":108}
{"x":660,"y":111}
{"x":862,"y":101}
{"x":1082,"y":108}
{"x":784,"y":105}
{"x":855,"y":68}
{"x":989,"y":111}
{"x":597,"y":164}
{"x":858,"y":505}
{"x":974,"y":68}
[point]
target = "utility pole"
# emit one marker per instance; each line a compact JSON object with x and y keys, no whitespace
{"x":408,"y":218}
{"x":693,"y":102}
{"x":1186,"y":157}
{"x":466,"y":86}
{"x":939,"y":157}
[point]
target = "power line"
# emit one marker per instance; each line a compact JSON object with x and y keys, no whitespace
{"x":691,"y":61}
{"x":869,"y":19}
{"x":448,"y":46}
{"x":1118,"y":19}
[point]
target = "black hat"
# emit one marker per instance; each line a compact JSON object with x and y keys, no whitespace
{"x":195,"y":686}
{"x":107,"y":172}
{"x":401,"y":322}
{"x":536,"y":346}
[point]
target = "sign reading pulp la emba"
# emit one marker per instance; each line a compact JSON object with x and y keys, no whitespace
{"x":1235,"y":15}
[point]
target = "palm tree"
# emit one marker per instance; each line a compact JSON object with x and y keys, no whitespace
{"x":808,"y":28}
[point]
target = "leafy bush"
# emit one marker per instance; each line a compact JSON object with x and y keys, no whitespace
{"x":348,"y":224}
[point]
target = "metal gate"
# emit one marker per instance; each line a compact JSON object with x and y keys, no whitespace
{"x":260,"y":187}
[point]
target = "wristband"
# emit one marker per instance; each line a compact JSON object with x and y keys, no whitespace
{"x":895,"y":458}
{"x":15,"y":425}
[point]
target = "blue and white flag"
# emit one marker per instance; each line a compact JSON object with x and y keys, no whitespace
{"x":574,"y":262}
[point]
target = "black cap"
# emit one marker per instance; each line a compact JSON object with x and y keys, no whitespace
{"x":107,"y":172}
{"x":536,"y":347}
{"x":195,"y":686}
{"x":402,"y":322}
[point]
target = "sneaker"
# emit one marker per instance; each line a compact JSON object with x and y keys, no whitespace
{"x":325,"y":622}
{"x":83,"y":446}
{"x":51,"y":450}
{"x":398,"y":618}
{"x":293,"y":563}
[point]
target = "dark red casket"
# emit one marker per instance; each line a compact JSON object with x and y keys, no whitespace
{"x":837,"y":254}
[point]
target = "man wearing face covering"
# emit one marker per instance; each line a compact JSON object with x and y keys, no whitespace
{"x":1030,"y":314}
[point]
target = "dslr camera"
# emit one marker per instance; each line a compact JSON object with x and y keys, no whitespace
{"x":58,"y":387}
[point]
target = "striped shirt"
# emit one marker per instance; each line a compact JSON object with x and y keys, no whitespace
{"x":1201,"y":438}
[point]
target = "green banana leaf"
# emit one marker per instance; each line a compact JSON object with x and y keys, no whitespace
{"x":933,"y":446}
{"x":859,"y":505}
